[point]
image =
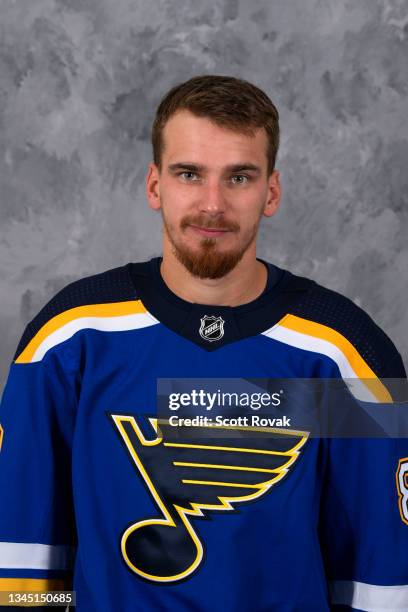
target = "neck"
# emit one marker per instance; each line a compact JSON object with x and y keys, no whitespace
{"x":241,"y":285}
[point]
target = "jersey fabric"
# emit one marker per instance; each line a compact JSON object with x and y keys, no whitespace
{"x":94,"y":499}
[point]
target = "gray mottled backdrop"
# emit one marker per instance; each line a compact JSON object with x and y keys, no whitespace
{"x":79,"y":81}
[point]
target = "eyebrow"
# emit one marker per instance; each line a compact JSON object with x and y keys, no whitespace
{"x":190,"y":167}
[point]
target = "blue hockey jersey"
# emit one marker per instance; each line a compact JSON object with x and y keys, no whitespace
{"x":94,"y":498}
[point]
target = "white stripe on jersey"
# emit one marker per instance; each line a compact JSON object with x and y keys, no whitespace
{"x":115,"y":323}
{"x":18,"y":555}
{"x":318,"y":345}
{"x":369,"y":597}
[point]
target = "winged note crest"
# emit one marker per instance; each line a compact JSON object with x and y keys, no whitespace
{"x":194,"y":476}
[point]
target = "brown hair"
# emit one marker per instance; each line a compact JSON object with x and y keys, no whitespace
{"x":228,"y":101}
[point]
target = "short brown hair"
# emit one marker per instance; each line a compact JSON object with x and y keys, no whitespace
{"x":228,"y":101}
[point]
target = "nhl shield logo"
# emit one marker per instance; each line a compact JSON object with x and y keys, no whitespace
{"x":212,"y":328}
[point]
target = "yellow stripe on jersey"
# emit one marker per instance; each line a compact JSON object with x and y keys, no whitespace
{"x":340,"y":342}
{"x":32,"y":585}
{"x":104,"y":311}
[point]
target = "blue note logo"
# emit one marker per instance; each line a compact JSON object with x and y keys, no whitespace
{"x":212,"y":328}
{"x":188,"y":476}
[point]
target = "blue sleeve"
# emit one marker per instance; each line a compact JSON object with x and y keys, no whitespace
{"x":364,"y":521}
{"x":37,"y":526}
{"x":364,"y":525}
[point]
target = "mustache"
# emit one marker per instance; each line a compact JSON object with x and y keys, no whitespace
{"x":206,"y":223}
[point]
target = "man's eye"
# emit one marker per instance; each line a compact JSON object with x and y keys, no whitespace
{"x":239,"y":179}
{"x":188,"y":175}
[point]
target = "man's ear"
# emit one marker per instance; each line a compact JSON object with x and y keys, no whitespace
{"x":153,"y":187}
{"x":274,"y":195}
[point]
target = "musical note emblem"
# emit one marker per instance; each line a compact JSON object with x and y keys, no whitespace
{"x":200,"y":473}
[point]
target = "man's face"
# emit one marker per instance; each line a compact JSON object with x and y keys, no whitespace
{"x":212,"y":191}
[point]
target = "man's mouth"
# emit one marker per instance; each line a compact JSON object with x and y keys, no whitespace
{"x":209,"y":232}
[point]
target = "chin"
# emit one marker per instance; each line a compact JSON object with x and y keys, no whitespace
{"x":208,"y":262}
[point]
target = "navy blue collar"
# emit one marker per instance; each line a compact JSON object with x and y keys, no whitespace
{"x":213,"y":326}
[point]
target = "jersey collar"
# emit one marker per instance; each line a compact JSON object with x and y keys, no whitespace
{"x":211,"y":326}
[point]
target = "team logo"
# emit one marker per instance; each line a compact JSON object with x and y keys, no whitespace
{"x":212,"y":328}
{"x":187,"y":477}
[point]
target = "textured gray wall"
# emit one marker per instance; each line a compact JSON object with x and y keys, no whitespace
{"x":79,"y":81}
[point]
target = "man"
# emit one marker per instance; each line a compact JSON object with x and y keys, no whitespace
{"x":243,"y":525}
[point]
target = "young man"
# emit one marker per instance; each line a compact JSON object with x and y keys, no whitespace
{"x":246,"y":525}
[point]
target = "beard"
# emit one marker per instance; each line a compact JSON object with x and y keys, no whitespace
{"x":207,"y":261}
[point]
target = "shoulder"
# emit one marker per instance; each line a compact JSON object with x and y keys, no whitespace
{"x":105,"y":294}
{"x":333,"y":318}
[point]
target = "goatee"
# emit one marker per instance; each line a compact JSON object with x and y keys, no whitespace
{"x":207,"y":261}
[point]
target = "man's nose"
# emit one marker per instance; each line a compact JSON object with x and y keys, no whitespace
{"x":213,"y":200}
